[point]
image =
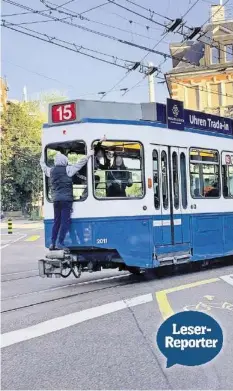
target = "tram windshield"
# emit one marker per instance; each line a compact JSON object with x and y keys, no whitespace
{"x":118,"y":170}
{"x":74,"y":150}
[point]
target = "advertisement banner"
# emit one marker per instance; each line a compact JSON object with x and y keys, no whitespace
{"x":209,"y":122}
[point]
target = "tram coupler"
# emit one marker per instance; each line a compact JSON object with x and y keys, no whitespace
{"x":56,"y":261}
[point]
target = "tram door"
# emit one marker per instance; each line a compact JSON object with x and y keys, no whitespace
{"x":170,"y":195}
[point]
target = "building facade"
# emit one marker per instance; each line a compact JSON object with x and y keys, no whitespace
{"x":202,"y":74}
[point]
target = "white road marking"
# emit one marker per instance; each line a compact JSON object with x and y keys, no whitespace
{"x":65,"y":286}
{"x":13,"y":241}
{"x":228,"y":279}
{"x":63,"y":322}
{"x":22,"y":272}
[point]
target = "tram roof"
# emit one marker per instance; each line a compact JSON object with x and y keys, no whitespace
{"x":150,"y":114}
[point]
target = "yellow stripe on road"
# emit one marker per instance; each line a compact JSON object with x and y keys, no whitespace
{"x":163,"y":302}
{"x":23,"y":226}
{"x":32,"y":238}
{"x":164,"y":306}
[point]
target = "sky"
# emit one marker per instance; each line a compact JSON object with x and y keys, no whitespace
{"x":43,"y":67}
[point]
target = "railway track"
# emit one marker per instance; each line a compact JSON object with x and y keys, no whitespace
{"x":131,"y":280}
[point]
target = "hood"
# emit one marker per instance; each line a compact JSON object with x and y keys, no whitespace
{"x":60,"y":160}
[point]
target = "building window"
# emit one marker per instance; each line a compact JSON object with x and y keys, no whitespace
{"x":118,"y":170}
{"x":229,"y":93}
{"x":74,"y":150}
{"x":156,"y":179}
{"x":204,"y":173}
{"x":215,"y":55}
{"x":215,"y":94}
{"x":193,"y":98}
{"x":229,"y":53}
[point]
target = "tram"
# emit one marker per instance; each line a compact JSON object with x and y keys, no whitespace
{"x":169,"y":201}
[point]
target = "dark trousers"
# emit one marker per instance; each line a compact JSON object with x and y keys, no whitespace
{"x":62,"y":213}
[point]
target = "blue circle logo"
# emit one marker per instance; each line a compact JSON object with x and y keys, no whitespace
{"x":189,"y":338}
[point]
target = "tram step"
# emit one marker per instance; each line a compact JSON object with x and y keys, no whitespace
{"x":173,"y":258}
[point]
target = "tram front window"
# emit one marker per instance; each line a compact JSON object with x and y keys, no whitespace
{"x":118,"y":170}
{"x":74,"y":150}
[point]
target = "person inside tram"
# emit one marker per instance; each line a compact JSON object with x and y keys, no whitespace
{"x":62,"y":194}
{"x":101,"y":155}
{"x":118,"y":178}
{"x":214,"y":192}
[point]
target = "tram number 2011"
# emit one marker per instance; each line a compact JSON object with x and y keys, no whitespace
{"x":102,"y":241}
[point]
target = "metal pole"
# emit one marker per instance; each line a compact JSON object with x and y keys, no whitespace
{"x":151,"y":86}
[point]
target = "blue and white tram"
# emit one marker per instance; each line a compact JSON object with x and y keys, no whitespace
{"x":177,"y":199}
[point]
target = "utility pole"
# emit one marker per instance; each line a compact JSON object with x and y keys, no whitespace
{"x":25,"y":98}
{"x":151,"y":85}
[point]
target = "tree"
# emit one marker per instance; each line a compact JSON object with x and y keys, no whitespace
{"x":21,"y":180}
{"x":44,"y":98}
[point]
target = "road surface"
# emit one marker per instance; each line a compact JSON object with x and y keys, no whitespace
{"x":99,"y":332}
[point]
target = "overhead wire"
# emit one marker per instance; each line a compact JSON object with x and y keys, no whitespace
{"x":152,"y":12}
{"x":73,"y":14}
{"x":159,"y":66}
{"x":114,"y":38}
{"x":60,"y":43}
{"x":45,"y":2}
{"x":136,"y":13}
{"x":203,"y":34}
{"x":165,"y":55}
{"x":59,"y":81}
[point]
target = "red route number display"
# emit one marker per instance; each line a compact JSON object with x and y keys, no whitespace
{"x":64,"y":112}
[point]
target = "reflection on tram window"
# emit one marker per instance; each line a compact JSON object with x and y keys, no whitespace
{"x":164,"y":170}
{"x":183,"y":180}
{"x":118,"y":169}
{"x":227,"y":180}
{"x":74,"y":150}
{"x":175,"y":179}
{"x":204,"y":173}
{"x":156,"y":179}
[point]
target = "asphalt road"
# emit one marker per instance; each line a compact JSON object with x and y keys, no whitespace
{"x":99,"y":332}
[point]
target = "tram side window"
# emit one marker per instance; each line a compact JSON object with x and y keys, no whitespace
{"x":118,"y":170}
{"x":175,"y":179}
{"x":74,"y":150}
{"x":164,"y":170}
{"x":156,"y":179}
{"x":227,"y":175}
{"x":183,"y":180}
{"x":204,"y":173}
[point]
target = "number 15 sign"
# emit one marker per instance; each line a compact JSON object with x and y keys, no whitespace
{"x":64,"y":112}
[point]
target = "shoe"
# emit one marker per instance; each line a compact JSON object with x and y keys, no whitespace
{"x":52,"y":247}
{"x":62,"y":247}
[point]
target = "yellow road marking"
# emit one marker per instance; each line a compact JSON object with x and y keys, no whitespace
{"x":23,"y":226}
{"x":164,"y":306}
{"x":32,"y":238}
{"x":163,"y":302}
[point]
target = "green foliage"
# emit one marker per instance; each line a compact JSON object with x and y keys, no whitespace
{"x":21,"y":180}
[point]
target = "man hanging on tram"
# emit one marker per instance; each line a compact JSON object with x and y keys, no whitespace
{"x":62,"y":194}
